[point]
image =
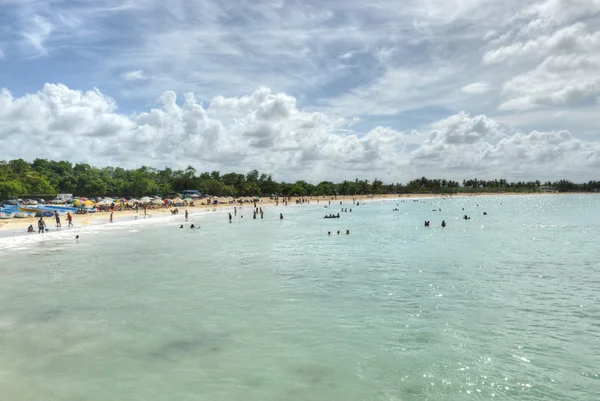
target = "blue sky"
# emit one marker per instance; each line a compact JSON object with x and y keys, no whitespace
{"x":375,"y":79}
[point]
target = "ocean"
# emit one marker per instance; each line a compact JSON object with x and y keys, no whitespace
{"x":502,"y":306}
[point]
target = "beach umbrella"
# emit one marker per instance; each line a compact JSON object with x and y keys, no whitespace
{"x":195,"y":196}
{"x":177,"y":200}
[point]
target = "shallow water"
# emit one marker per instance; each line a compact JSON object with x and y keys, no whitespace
{"x":503,"y":306}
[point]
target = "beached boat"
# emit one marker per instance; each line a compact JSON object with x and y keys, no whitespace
{"x":4,"y":214}
{"x":46,"y":211}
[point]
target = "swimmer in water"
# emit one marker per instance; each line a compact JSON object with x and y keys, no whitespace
{"x":181,"y":226}
{"x":347,"y":232}
{"x":77,"y":237}
{"x":443,"y":223}
{"x":230,"y":217}
{"x":280,"y":216}
{"x":328,"y":232}
{"x":192,"y":226}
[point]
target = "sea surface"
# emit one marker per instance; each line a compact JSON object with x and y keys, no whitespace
{"x":504,"y":306}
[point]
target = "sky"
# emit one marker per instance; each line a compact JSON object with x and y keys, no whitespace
{"x":313,"y":90}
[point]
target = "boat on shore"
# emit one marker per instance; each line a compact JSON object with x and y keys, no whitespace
{"x":5,"y":214}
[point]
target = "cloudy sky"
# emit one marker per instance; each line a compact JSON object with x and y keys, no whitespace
{"x":332,"y":89}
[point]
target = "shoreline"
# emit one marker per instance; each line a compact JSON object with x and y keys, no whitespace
{"x":19,"y":226}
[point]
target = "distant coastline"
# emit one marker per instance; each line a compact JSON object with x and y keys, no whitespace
{"x":44,"y":179}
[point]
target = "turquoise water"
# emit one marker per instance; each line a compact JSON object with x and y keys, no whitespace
{"x":503,"y":306}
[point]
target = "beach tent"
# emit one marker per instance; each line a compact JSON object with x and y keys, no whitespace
{"x":177,"y":201}
{"x":157,"y":202}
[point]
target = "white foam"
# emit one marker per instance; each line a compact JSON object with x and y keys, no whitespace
{"x":22,"y":241}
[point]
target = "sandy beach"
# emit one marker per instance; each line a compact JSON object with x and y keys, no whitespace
{"x":21,"y":224}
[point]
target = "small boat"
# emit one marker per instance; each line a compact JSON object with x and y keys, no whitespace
{"x":4,"y":214}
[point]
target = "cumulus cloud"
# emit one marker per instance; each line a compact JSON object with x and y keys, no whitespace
{"x":135,"y":75}
{"x":466,"y":146}
{"x":263,"y":130}
{"x":268,"y":131}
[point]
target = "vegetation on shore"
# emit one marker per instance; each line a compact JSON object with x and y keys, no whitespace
{"x":46,"y":177}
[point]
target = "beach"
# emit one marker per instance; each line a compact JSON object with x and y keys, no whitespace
{"x":16,"y":225}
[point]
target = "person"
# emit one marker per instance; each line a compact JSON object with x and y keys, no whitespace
{"x":234,"y":211}
{"x":328,"y":232}
{"x":41,"y":225}
{"x":181,"y":226}
{"x":57,"y":218}
{"x":338,"y":232}
{"x":111,"y":217}
{"x":230,"y":217}
{"x":30,"y":229}
{"x":186,"y":215}
{"x":347,"y":232}
{"x":254,"y":215}
{"x":192,"y":226}
{"x":426,"y":223}
{"x":338,"y":216}
{"x":77,"y":237}
{"x":261,"y":214}
{"x":280,"y":216}
{"x":443,"y":223}
{"x":70,"y":219}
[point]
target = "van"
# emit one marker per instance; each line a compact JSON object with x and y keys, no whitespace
{"x":62,"y":198}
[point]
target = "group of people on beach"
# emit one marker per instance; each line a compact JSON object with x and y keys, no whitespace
{"x":42,"y":224}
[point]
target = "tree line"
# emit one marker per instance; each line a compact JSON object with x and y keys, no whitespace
{"x":47,"y":178}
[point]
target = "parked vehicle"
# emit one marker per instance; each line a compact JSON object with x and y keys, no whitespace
{"x":63,"y":198}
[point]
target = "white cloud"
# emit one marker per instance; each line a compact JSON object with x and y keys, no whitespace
{"x":135,"y":75}
{"x":268,"y":131}
{"x":37,"y":31}
{"x":478,"y":146}
{"x":476,"y":88}
{"x":533,"y":64}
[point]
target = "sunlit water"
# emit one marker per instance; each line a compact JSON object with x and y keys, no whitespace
{"x":504,"y":306}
